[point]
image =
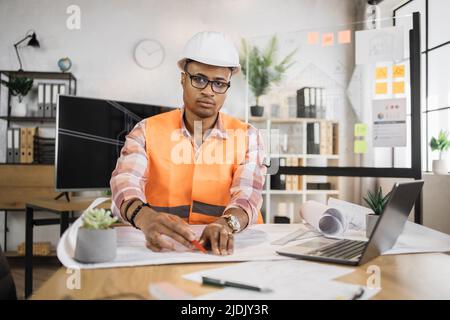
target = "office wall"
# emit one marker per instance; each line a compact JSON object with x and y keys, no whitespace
{"x":102,"y":50}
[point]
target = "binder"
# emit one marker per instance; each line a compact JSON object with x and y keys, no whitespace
{"x":16,"y":145}
{"x":23,"y":145}
{"x":31,"y":132}
{"x":9,"y":146}
{"x":303,"y":102}
{"x":48,"y":100}
{"x":313,"y":107}
{"x":289,"y":177}
{"x":62,"y":89}
{"x":55,"y":93}
{"x":40,"y":112}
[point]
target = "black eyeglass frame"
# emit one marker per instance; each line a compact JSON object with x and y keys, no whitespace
{"x":208,"y":82}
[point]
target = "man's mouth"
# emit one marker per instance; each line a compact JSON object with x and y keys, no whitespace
{"x":206,"y":103}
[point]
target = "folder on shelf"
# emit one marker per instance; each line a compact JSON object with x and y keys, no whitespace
{"x":289,"y":177}
{"x":31,"y":132}
{"x":16,"y":145}
{"x":41,"y":94}
{"x":62,"y":88}
{"x":48,"y":100}
{"x":23,"y":145}
{"x":55,"y":93}
{"x":303,"y":102}
{"x":10,"y":146}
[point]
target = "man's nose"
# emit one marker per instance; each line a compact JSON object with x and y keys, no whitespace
{"x":208,"y":90}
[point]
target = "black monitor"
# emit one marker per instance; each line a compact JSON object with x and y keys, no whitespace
{"x":89,"y":136}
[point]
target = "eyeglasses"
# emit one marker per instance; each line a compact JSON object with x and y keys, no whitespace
{"x":200,"y":82}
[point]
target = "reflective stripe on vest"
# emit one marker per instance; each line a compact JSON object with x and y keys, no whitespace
{"x":195,"y":187}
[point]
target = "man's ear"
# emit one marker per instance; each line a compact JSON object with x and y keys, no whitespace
{"x":183,"y":76}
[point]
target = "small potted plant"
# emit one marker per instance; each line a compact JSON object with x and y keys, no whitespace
{"x":440,"y":144}
{"x":19,"y":87}
{"x":262,"y":70}
{"x":96,"y":239}
{"x":376,"y":201}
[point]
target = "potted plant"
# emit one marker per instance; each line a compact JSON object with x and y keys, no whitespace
{"x":96,"y":240}
{"x":376,"y":201}
{"x":19,"y":87}
{"x":261,"y":69}
{"x":440,"y":144}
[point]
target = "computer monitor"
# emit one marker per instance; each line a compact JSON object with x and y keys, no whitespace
{"x":89,"y":136}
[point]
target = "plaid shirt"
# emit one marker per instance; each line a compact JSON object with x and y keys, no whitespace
{"x":129,"y":177}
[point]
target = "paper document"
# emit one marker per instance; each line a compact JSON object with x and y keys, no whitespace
{"x":291,"y":279}
{"x":252,"y":244}
{"x":335,"y":218}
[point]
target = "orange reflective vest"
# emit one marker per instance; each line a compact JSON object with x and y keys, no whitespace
{"x":195,"y":187}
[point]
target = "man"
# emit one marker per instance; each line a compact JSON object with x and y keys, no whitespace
{"x":191,"y":165}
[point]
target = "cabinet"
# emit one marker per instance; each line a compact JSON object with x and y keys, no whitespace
{"x":38,"y":99}
{"x":298,"y":142}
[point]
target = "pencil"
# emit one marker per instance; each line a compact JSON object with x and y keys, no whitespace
{"x":198,"y":246}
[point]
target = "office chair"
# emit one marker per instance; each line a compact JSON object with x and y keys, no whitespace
{"x":7,"y":287}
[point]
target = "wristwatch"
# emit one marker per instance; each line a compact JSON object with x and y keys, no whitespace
{"x":232,"y":222}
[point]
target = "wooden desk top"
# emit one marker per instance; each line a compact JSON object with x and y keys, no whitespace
{"x":412,"y":276}
{"x":60,"y":205}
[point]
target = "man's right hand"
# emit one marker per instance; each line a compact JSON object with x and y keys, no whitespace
{"x":155,"y":224}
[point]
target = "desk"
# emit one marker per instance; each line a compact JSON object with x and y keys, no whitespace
{"x":412,"y":276}
{"x":60,"y":207}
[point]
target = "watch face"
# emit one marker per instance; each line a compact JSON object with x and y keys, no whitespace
{"x":234,"y":223}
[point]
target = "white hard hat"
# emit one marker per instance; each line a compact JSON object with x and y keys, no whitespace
{"x":213,"y":48}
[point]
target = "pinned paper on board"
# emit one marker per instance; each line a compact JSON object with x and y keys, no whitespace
{"x":389,"y":124}
{"x":379,"y":45}
{"x":381,"y":73}
{"x":360,"y":130}
{"x":344,"y":36}
{"x":398,"y":87}
{"x":398,"y":71}
{"x":313,"y":38}
{"x":360,"y":146}
{"x":381,"y":88}
{"x":327,"y":39}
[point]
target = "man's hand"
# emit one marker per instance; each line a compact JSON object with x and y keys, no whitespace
{"x":220,"y":236}
{"x":155,"y":224}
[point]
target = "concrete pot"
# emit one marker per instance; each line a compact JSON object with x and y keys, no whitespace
{"x":257,"y":111}
{"x":18,"y":109}
{"x":94,"y":246}
{"x":440,"y":167}
{"x":371,"y":221}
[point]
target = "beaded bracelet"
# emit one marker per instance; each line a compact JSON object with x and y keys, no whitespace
{"x":135,"y":212}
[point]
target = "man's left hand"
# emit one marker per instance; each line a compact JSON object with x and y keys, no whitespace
{"x":220,"y":236}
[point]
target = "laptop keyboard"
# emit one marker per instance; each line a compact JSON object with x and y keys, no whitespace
{"x":344,"y":249}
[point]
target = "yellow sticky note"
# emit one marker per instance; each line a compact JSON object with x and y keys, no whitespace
{"x":313,"y":37}
{"x":381,"y":73}
{"x":398,"y":87}
{"x":398,"y":71}
{"x":345,"y":36}
{"x":327,"y":39}
{"x":381,"y":87}
{"x":360,"y":146}
{"x":360,"y":129}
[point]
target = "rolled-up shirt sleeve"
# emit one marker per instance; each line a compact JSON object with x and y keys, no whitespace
{"x":248,"y":178}
{"x":128,"y":179}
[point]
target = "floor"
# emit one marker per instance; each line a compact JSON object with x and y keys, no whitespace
{"x":41,"y":272}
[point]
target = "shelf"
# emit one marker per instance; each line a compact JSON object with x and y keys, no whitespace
{"x":306,"y":156}
{"x":41,"y":74}
{"x":14,"y":254}
{"x":288,"y":120}
{"x":295,"y":192}
{"x":28,"y":119}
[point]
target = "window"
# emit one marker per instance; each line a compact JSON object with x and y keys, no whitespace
{"x":435,"y":45}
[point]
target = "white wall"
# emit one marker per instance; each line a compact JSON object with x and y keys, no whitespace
{"x":102,"y":50}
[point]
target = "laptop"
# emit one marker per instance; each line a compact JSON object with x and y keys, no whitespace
{"x":354,"y":252}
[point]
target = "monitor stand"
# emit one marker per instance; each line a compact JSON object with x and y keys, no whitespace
{"x":66,"y":194}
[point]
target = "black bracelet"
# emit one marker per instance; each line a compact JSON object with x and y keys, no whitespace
{"x":128,"y":207}
{"x":135,"y":212}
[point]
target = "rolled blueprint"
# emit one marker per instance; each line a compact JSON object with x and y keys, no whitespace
{"x":327,"y":220}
